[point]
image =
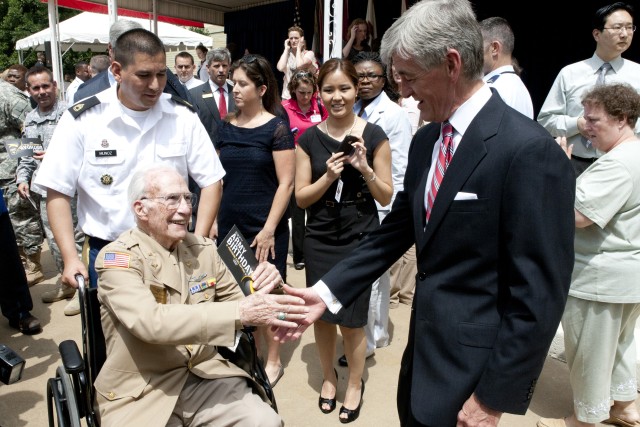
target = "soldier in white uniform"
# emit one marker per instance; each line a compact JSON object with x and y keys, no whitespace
{"x":101,"y":140}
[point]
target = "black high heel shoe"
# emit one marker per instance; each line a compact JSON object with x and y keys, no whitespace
{"x":330,"y":402}
{"x":352,"y":414}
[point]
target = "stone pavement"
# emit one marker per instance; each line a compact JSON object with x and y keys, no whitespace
{"x":24,"y":403}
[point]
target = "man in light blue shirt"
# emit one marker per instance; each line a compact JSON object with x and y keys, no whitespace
{"x":562,"y":112}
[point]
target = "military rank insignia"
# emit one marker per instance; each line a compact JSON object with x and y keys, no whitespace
{"x":199,"y":287}
{"x":106,"y":179}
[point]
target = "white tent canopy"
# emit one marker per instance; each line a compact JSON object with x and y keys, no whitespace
{"x":91,"y":31}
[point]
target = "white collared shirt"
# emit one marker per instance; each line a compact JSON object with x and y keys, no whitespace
{"x":97,"y":153}
{"x":216,"y":94}
{"x":192,"y":82}
{"x":511,"y":89}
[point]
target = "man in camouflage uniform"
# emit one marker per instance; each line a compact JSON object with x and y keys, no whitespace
{"x":40,"y":123}
{"x":14,"y":106}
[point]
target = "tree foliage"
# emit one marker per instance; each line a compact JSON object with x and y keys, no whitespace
{"x":21,"y":18}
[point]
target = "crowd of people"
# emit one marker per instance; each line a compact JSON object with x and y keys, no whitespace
{"x":416,"y":175}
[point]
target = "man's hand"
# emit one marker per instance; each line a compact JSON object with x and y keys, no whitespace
{"x":316,"y":307}
{"x":475,"y":414}
{"x":23,"y":190}
{"x":71,"y":268}
{"x":281,"y":311}
{"x":562,"y":141}
{"x":582,"y":123}
{"x":266,"y":277}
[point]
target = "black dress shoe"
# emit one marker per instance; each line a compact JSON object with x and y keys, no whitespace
{"x":299,"y":265}
{"x":28,"y":325}
{"x":325,"y":401}
{"x":352,"y":414}
{"x":343,"y":361}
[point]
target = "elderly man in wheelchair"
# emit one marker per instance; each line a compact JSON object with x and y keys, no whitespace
{"x":167,"y":304}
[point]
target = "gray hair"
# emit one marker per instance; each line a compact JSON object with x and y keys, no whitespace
{"x":429,"y":28}
{"x":141,"y":181}
{"x":218,"y":54}
{"x":497,"y":28}
{"x":99,"y":63}
{"x":120,"y":27}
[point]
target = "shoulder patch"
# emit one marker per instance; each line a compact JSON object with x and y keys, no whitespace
{"x":116,"y":260}
{"x":178,"y":100}
{"x":82,"y":106}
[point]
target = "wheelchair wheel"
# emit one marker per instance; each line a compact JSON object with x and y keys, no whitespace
{"x":62,"y":398}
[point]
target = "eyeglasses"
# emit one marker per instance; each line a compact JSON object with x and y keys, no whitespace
{"x":619,"y":28}
{"x":371,"y":77}
{"x":172,"y":201}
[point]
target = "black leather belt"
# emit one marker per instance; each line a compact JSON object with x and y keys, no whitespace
{"x":584,"y":159}
{"x":333,"y":204}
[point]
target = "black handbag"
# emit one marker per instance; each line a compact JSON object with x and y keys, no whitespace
{"x":246,"y":358}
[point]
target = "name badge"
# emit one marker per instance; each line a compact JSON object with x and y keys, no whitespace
{"x":338,"y":195}
{"x":207,"y":95}
{"x":316,"y":118}
{"x":106,"y":153}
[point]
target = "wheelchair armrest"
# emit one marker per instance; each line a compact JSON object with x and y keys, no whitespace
{"x":71,"y":358}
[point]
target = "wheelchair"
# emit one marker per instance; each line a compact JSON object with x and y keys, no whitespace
{"x":70,"y":393}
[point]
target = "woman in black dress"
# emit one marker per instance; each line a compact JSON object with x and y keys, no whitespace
{"x":338,"y":192}
{"x":255,"y":146}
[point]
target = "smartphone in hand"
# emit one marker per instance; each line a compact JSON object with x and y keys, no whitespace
{"x":346,"y":146}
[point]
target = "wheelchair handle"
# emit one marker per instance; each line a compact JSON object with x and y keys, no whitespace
{"x":80,"y":279}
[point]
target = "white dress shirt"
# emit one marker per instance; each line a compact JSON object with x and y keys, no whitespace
{"x":511,"y":89}
{"x":97,"y":153}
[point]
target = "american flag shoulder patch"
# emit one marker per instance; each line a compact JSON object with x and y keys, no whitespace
{"x":116,"y":260}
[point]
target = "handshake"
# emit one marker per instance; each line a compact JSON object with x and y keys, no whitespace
{"x":289,"y":314}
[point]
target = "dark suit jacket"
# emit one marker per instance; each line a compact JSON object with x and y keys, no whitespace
{"x":493,"y":273}
{"x":205,"y":102}
{"x":93,"y":86}
{"x":101,"y":82}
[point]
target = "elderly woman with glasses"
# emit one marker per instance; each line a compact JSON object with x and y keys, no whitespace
{"x":604,"y":299}
{"x":304,"y":110}
{"x":255,"y":146}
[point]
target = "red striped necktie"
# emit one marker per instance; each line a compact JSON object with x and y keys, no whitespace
{"x":444,"y":158}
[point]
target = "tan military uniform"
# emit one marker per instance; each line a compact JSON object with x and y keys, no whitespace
{"x":163,"y":313}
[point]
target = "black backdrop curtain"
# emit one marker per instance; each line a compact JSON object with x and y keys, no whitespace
{"x":549,"y":34}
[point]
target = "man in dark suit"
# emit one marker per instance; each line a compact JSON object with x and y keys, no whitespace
{"x":105,"y":79}
{"x":216,"y":94}
{"x":488,"y":201}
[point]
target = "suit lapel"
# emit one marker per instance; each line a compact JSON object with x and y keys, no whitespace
{"x":231,"y":106}
{"x":419,"y":213}
{"x":209,"y":101}
{"x":470,"y":152}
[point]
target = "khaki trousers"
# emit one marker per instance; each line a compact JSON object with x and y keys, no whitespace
{"x":403,"y":278}
{"x":221,"y":402}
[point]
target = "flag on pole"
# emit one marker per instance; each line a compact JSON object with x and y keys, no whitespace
{"x":371,"y":20}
